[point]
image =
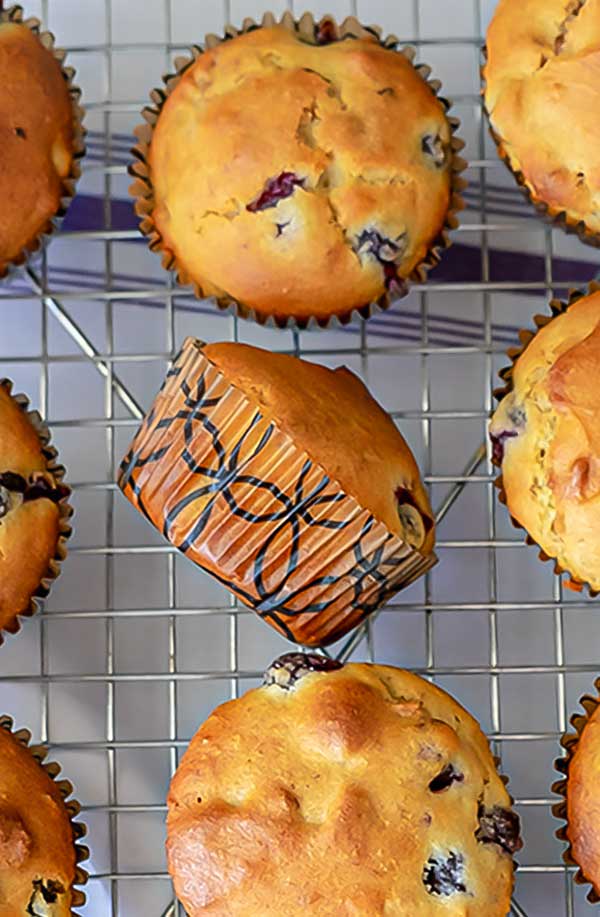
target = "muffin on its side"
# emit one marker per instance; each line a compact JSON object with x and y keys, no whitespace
{"x":542,"y":94}
{"x":39,"y":850}
{"x":33,"y":510}
{"x":546,"y":437}
{"x":287,"y":482}
{"x":579,"y":809}
{"x":331,"y":790}
{"x":40,"y":136}
{"x":297,"y":175}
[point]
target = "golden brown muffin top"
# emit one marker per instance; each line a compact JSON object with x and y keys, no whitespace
{"x":333,"y":417}
{"x":583,"y":801}
{"x":29,"y":515}
{"x":300,"y":179}
{"x":363,"y":790}
{"x":37,"y":849}
{"x":543,"y":96}
{"x":36,"y":138}
{"x":547,"y":429}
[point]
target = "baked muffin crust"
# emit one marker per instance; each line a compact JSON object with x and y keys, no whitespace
{"x":583,"y":802}
{"x":364,"y":790}
{"x":29,"y":512}
{"x":37,"y":847}
{"x":543,"y":97}
{"x":281,"y":177}
{"x":546,"y":436}
{"x":36,"y":139}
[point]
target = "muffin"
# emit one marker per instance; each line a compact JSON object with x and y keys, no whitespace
{"x":360,"y":789}
{"x":286,"y":481}
{"x":542,"y":95}
{"x":40,"y":136}
{"x":34,"y":510}
{"x":544,"y":437}
{"x":39,"y":850}
{"x":274,"y":176}
{"x":579,"y":808}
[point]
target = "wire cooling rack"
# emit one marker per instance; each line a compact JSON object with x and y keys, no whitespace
{"x":136,"y":646}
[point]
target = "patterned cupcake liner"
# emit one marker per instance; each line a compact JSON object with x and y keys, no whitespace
{"x":569,"y":742}
{"x":65,"y":788}
{"x":65,"y":510}
{"x":260,"y":516}
{"x":142,"y":190}
{"x":555,"y":216}
{"x":14,"y":14}
{"x":526,"y":335}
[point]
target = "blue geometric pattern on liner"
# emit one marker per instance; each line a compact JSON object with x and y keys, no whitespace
{"x":218,"y":450}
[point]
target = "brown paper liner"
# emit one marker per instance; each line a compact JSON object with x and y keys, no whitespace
{"x":557,"y":307}
{"x":65,"y":511}
{"x":65,"y":788}
{"x":14,"y":14}
{"x":142,"y":191}
{"x":264,"y":519}
{"x":553,"y":215}
{"x":569,"y":742}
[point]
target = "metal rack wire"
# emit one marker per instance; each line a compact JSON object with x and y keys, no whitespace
{"x":81,"y":326}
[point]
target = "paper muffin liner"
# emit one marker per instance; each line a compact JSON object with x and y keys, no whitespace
{"x":262,"y":517}
{"x":526,"y":335}
{"x":553,"y":215}
{"x":569,"y":742}
{"x":65,"y":510}
{"x":14,"y":14}
{"x":65,"y":788}
{"x":142,"y":191}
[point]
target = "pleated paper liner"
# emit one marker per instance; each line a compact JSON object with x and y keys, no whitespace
{"x":72,"y":807}
{"x":65,"y":510}
{"x":308,"y":28}
{"x":526,"y":335}
{"x":14,"y":14}
{"x":236,"y":495}
{"x":569,"y":742}
{"x":553,"y":215}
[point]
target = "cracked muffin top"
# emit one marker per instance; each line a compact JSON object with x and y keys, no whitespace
{"x":29,"y":512}
{"x":332,"y":416}
{"x":543,"y":97}
{"x":37,"y":847}
{"x":301,"y":180}
{"x":333,"y":790}
{"x":36,"y":139}
{"x":547,"y":440}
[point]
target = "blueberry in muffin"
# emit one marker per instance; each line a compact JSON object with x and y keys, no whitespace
{"x":298,"y":175}
{"x":34,"y":510}
{"x":355,"y":789}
